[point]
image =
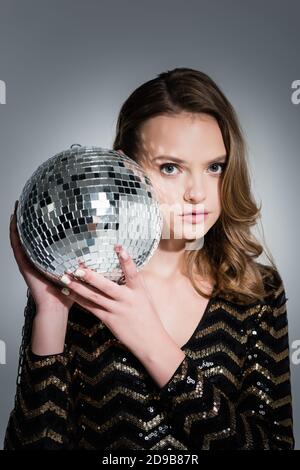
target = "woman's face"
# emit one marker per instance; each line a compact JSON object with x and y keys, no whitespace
{"x":191,"y":184}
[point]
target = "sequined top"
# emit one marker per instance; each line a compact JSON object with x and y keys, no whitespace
{"x":231,"y":391}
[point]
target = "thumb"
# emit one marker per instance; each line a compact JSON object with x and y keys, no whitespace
{"x":128,"y":266}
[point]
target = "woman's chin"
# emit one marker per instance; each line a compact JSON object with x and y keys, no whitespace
{"x":191,"y":234}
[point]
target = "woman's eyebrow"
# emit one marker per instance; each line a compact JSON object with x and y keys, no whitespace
{"x":175,"y":159}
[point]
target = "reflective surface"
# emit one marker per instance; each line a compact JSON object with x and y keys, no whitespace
{"x":78,"y":204}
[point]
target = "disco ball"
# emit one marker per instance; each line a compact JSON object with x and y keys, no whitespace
{"x":81,"y":202}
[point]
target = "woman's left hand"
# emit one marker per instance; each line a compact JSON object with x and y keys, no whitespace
{"x":127,"y":310}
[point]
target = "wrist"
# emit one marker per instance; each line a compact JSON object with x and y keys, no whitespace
{"x":48,"y":330}
{"x":52,"y":309}
{"x":162,"y":359}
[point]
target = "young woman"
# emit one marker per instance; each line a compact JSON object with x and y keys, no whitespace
{"x":192,"y":351}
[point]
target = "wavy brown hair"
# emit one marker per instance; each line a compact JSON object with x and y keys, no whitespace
{"x":228,"y":256}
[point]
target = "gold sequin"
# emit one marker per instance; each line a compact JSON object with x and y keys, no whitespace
{"x":98,"y":382}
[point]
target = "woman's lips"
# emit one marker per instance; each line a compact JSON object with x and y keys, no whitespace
{"x":194,"y":218}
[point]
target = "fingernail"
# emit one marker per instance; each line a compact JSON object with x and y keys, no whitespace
{"x":65,"y":279}
{"x":124,"y":255}
{"x":65,"y":291}
{"x":79,"y":273}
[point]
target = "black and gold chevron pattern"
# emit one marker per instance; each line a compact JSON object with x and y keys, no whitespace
{"x":231,"y":391}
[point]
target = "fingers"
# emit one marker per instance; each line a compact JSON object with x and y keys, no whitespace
{"x":88,"y":292}
{"x":21,"y":258}
{"x":99,"y":282}
{"x":128,"y":266}
{"x":14,"y":235}
{"x":101,"y":313}
{"x":14,"y":214}
{"x":14,"y":239}
{"x":13,"y":219}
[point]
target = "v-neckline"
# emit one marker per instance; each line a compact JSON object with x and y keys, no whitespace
{"x":200,"y":323}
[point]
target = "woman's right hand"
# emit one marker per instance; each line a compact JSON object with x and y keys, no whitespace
{"x":45,"y":294}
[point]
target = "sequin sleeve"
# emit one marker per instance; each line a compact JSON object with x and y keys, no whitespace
{"x":261,"y":416}
{"x":42,"y":415}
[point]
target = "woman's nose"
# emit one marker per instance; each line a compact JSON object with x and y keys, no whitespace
{"x":195,"y":192}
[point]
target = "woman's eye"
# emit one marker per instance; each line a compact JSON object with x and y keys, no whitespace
{"x":167,"y":165}
{"x":221,"y":165}
{"x":170,"y":166}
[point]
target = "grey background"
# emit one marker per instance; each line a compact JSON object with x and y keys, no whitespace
{"x":69,"y":65}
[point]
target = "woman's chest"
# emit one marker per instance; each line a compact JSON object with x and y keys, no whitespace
{"x":179,"y":307}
